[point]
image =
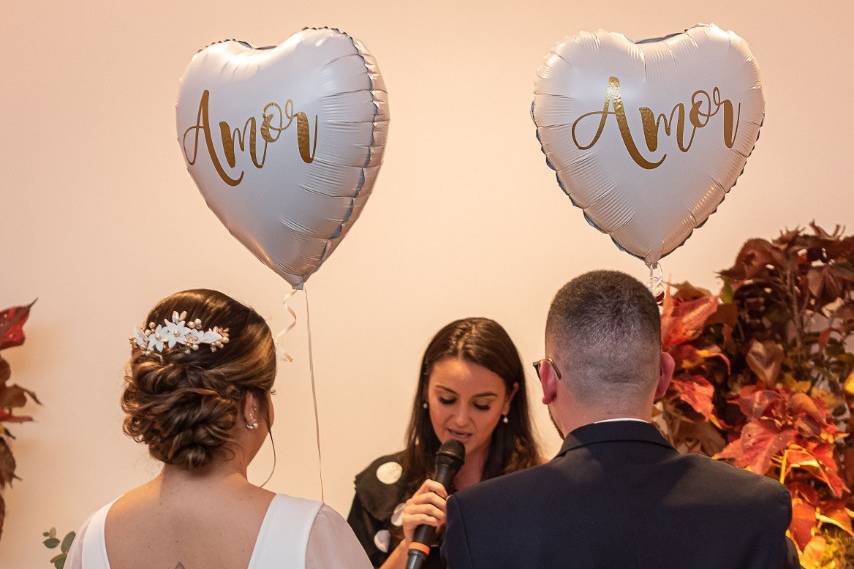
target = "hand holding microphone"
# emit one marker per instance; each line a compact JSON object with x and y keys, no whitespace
{"x":425,"y":511}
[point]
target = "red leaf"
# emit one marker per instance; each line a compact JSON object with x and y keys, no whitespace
{"x":697,"y":392}
{"x":5,"y":371}
{"x":824,"y":337}
{"x":12,"y":322}
{"x":804,"y":491}
{"x":760,"y":441}
{"x":8,"y":417}
{"x":829,"y":469}
{"x":803,"y":522}
{"x":683,"y":320}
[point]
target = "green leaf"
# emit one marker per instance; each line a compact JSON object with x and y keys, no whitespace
{"x":67,"y":541}
{"x":726,"y":295}
{"x":51,"y":543}
{"x":59,"y":561}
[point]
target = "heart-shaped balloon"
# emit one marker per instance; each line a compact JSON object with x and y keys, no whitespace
{"x":648,"y":137}
{"x":285,"y":142}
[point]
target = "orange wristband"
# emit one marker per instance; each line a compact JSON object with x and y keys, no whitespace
{"x":419,"y":547}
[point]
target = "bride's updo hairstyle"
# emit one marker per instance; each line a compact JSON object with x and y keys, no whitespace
{"x":184,"y":403}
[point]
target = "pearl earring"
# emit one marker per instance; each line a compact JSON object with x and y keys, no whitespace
{"x":424,"y":405}
{"x":504,"y":419}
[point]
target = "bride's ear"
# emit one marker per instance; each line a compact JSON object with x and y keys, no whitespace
{"x":252,"y":411}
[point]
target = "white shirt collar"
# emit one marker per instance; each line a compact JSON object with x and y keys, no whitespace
{"x":621,"y":419}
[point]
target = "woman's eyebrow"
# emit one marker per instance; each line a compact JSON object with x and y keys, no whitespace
{"x":484,"y":394}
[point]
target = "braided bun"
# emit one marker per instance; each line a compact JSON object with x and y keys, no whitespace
{"x":185,"y":406}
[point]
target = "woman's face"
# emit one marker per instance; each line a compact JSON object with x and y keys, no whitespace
{"x":466,"y":402}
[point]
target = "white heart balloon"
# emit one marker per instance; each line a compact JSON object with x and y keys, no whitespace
{"x":285,"y":142}
{"x":648,"y":137}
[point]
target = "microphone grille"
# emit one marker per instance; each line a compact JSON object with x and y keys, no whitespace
{"x":451,"y":451}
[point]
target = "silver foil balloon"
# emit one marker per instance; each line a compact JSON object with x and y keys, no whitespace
{"x":285,"y":142}
{"x":648,"y":137}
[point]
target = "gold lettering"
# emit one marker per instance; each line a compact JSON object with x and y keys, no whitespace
{"x":229,"y":136}
{"x":703,"y":108}
{"x":729,"y":132}
{"x":614,"y":98}
{"x":272,"y":126}
{"x":651,"y":125}
{"x":303,"y":138}
{"x":203,"y":125}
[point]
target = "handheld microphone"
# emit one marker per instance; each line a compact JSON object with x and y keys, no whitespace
{"x":449,"y":458}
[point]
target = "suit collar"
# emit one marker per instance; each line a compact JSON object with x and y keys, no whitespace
{"x":626,"y":431}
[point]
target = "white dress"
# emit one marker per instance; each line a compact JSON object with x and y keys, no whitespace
{"x":295,"y":533}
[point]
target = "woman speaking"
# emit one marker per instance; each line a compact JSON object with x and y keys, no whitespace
{"x":471,"y":389}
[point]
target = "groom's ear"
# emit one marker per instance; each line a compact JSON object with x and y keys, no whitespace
{"x":665,"y":374}
{"x":548,"y":379}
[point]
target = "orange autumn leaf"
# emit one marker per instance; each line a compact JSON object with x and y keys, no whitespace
{"x":697,"y":392}
{"x":683,"y":320}
{"x":836,"y":514}
{"x":760,"y":441}
{"x":803,"y":403}
{"x":803,"y":522}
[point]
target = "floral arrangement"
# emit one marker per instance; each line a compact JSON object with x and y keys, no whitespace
{"x":12,"y":396}
{"x":765,"y":378}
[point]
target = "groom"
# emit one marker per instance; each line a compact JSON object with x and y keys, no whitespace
{"x":617,"y":495}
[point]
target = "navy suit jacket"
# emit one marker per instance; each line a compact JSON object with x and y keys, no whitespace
{"x":617,"y":496}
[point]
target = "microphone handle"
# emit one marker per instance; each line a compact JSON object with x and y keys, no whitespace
{"x":416,"y":559}
{"x":425,"y":534}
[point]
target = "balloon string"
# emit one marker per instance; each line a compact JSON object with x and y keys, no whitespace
{"x":656,"y":282}
{"x":314,"y":398}
{"x":280,"y":336}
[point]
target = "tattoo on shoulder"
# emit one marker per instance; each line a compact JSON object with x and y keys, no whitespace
{"x":180,"y":566}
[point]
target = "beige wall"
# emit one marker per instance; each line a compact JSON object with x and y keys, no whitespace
{"x":99,"y":219}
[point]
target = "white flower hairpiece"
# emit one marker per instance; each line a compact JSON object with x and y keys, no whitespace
{"x":178,"y":332}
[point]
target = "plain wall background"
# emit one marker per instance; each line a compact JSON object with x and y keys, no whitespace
{"x":99,"y":219}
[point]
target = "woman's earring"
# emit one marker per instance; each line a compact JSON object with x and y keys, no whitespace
{"x":424,"y":405}
{"x":504,"y":419}
{"x":252,"y":426}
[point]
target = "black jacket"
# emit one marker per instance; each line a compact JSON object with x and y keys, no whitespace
{"x":617,"y":496}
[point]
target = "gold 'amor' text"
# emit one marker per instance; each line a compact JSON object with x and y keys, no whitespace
{"x":273,"y":123}
{"x":704,"y":106}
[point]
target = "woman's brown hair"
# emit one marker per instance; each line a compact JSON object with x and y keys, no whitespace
{"x":483,"y":342}
{"x":184,"y":406}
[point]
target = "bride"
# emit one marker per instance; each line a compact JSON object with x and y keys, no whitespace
{"x":198,"y":395}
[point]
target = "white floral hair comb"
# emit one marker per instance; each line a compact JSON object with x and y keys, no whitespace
{"x":178,"y":332}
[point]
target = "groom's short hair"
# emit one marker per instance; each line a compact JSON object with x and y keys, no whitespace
{"x":605,"y":330}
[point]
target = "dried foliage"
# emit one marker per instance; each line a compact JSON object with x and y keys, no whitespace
{"x":764,"y":378}
{"x":12,"y":396}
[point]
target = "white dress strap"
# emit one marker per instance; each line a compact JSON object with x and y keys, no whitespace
{"x":94,"y":555}
{"x":284,"y":534}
